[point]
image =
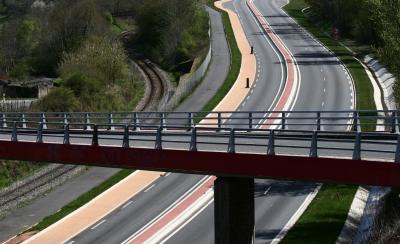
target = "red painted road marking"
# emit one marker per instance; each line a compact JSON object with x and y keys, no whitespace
{"x":290,"y":66}
{"x":174,"y":212}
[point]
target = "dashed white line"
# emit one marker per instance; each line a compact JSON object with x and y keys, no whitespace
{"x":98,"y":224}
{"x":127,"y":204}
{"x":324,"y":78}
{"x":148,"y":189}
{"x":323,"y":104}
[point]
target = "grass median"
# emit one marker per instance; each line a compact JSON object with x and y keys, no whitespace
{"x":323,"y":220}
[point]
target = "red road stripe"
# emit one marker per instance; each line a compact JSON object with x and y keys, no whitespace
{"x":172,"y":214}
{"x":290,"y":67}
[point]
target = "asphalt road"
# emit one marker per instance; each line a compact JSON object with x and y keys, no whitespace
{"x":324,"y":85}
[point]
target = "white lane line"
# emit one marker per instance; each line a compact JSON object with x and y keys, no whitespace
{"x":324,"y":90}
{"x":324,"y":78}
{"x":98,"y":224}
{"x":148,"y":189}
{"x":266,"y":191}
{"x":322,"y":70}
{"x":323,"y":104}
{"x":127,"y":204}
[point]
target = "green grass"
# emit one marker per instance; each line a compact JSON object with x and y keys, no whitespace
{"x":324,"y":217}
{"x":236,"y":59}
{"x":11,"y":171}
{"x":81,"y":200}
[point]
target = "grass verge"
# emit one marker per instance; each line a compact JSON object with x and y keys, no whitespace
{"x":324,"y":218}
{"x":81,"y":200}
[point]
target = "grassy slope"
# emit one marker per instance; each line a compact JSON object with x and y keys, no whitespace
{"x":324,"y":218}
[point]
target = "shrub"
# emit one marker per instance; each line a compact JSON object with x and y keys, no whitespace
{"x":59,"y":100}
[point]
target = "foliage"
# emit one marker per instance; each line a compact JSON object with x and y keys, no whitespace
{"x":171,"y":31}
{"x":100,"y":58}
{"x":59,"y":100}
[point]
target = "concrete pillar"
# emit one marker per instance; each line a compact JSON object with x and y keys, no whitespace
{"x":234,"y":210}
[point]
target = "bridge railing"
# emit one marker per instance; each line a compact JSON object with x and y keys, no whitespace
{"x":387,"y":120}
{"x":354,"y":145}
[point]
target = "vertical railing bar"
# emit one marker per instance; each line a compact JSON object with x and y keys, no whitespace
{"x":318,"y":121}
{"x":66,"y":139}
{"x":231,"y":144}
{"x":125,"y":141}
{"x":314,"y":145}
{"x":14,"y":134}
{"x":250,"y":120}
{"x":397,"y":156}
{"x":357,"y":147}
{"x":95,"y":137}
{"x":283,"y":121}
{"x":219,"y":121}
{"x":23,"y":121}
{"x":87,"y":122}
{"x":158,"y":144}
{"x":193,"y":140}
{"x":271,"y":143}
{"x":39,"y":137}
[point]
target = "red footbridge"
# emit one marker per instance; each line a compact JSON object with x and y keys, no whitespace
{"x":351,"y":147}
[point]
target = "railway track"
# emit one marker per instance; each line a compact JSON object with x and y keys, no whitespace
{"x":10,"y":197}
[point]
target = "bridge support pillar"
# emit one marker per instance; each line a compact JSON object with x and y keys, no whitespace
{"x":234,"y":210}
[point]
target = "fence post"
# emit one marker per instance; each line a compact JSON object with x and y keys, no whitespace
{"x":250,"y":120}
{"x":283,"y":120}
{"x":219,"y":120}
{"x":397,"y":156}
{"x":357,"y":147}
{"x":23,"y":121}
{"x":43,"y":120}
{"x":125,"y":142}
{"x":162,"y":120}
{"x":110,"y":122}
{"x":318,"y":121}
{"x":14,"y":135}
{"x":135,"y":121}
{"x":314,"y":145}
{"x":190,"y":120}
{"x":356,"y":121}
{"x":158,"y":144}
{"x":87,"y":122}
{"x":271,"y":143}
{"x":39,"y":137}
{"x":4,"y":118}
{"x":193,"y":140}
{"x":394,"y":122}
{"x":66,"y":134}
{"x":95,"y":138}
{"x":231,"y":144}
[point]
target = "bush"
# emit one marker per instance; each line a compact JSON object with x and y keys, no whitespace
{"x":99,"y":58}
{"x":59,"y":100}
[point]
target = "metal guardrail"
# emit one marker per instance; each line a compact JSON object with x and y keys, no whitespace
{"x":386,"y":120}
{"x":240,"y":132}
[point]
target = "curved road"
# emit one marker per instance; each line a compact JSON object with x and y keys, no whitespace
{"x":324,"y":85}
